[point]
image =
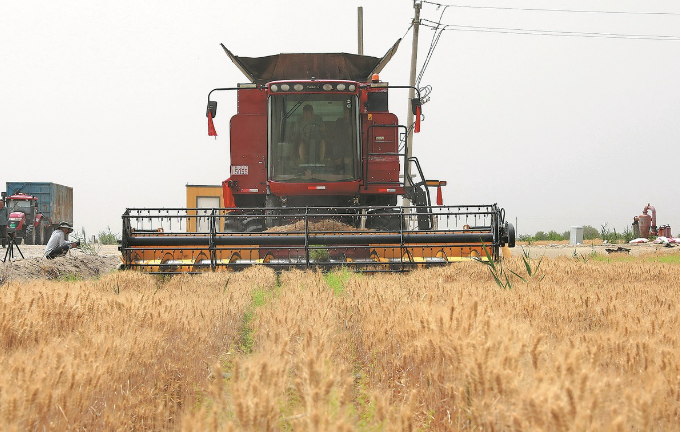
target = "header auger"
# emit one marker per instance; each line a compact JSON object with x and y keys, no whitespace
{"x":317,"y":166}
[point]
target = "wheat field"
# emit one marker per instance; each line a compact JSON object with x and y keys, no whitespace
{"x":583,"y":345}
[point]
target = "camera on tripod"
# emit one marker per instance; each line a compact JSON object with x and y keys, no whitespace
{"x":11,"y":245}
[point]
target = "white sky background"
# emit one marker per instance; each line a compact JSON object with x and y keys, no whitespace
{"x":109,"y":98}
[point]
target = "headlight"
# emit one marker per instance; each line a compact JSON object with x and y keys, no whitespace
{"x":340,"y":87}
{"x":298,"y":87}
{"x":351,"y":87}
{"x":285,"y":87}
{"x":274,"y":87}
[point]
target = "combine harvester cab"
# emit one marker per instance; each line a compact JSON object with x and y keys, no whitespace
{"x":317,"y":166}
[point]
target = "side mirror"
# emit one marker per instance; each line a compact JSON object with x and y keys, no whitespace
{"x":212,"y":108}
{"x":416,"y":110}
{"x":415,"y":105}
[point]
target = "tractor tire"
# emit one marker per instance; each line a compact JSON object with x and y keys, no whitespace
{"x":39,"y":234}
{"x":47,"y":233}
{"x":29,"y":237}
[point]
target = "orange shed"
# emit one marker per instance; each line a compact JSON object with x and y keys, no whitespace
{"x":202,"y":197}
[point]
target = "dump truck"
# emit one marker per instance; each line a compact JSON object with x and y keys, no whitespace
{"x":318,"y":165}
{"x":35,"y":208}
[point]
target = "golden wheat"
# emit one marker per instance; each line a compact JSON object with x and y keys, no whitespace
{"x":590,"y":346}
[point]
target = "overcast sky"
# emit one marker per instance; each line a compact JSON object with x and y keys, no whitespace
{"x":109,"y":98}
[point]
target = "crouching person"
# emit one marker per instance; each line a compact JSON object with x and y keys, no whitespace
{"x":57,"y":245}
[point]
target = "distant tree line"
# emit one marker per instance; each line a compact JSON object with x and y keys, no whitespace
{"x":590,"y":233}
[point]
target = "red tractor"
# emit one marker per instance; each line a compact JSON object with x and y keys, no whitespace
{"x":25,"y":221}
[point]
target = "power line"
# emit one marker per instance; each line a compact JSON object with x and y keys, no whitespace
{"x":431,"y":49}
{"x":551,"y":10}
{"x":439,"y":28}
{"x":539,"y":32}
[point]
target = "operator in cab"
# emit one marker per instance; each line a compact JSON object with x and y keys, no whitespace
{"x":57,"y":246}
{"x":310,"y":135}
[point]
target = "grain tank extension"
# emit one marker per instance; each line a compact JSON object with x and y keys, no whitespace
{"x":318,"y":166}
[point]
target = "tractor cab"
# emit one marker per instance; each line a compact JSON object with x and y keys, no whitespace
{"x":21,"y":205}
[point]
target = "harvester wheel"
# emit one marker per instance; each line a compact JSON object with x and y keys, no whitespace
{"x":232,"y":226}
{"x":253,"y":225}
{"x":385,"y":221}
{"x":254,"y":228}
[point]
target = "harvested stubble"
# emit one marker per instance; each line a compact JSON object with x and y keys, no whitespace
{"x":591,"y":346}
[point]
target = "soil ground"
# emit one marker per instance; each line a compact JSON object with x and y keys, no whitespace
{"x":78,"y":265}
{"x":563,"y":248}
{"x":75,"y":265}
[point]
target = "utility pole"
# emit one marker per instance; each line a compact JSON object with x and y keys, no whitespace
{"x":412,"y":92}
{"x":360,"y":30}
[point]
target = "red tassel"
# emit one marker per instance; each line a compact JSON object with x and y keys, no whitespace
{"x":417,"y":125}
{"x":211,"y":127}
{"x":227,"y":195}
{"x":439,"y":195}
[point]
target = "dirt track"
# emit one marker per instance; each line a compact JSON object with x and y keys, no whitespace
{"x":75,"y":265}
{"x":556,"y":249}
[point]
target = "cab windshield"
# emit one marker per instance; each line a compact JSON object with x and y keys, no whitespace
{"x":20,"y":205}
{"x":313,"y":137}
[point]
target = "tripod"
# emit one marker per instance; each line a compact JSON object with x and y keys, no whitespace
{"x":10,"y":248}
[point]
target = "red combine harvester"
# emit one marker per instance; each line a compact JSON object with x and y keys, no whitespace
{"x":317,"y":166}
